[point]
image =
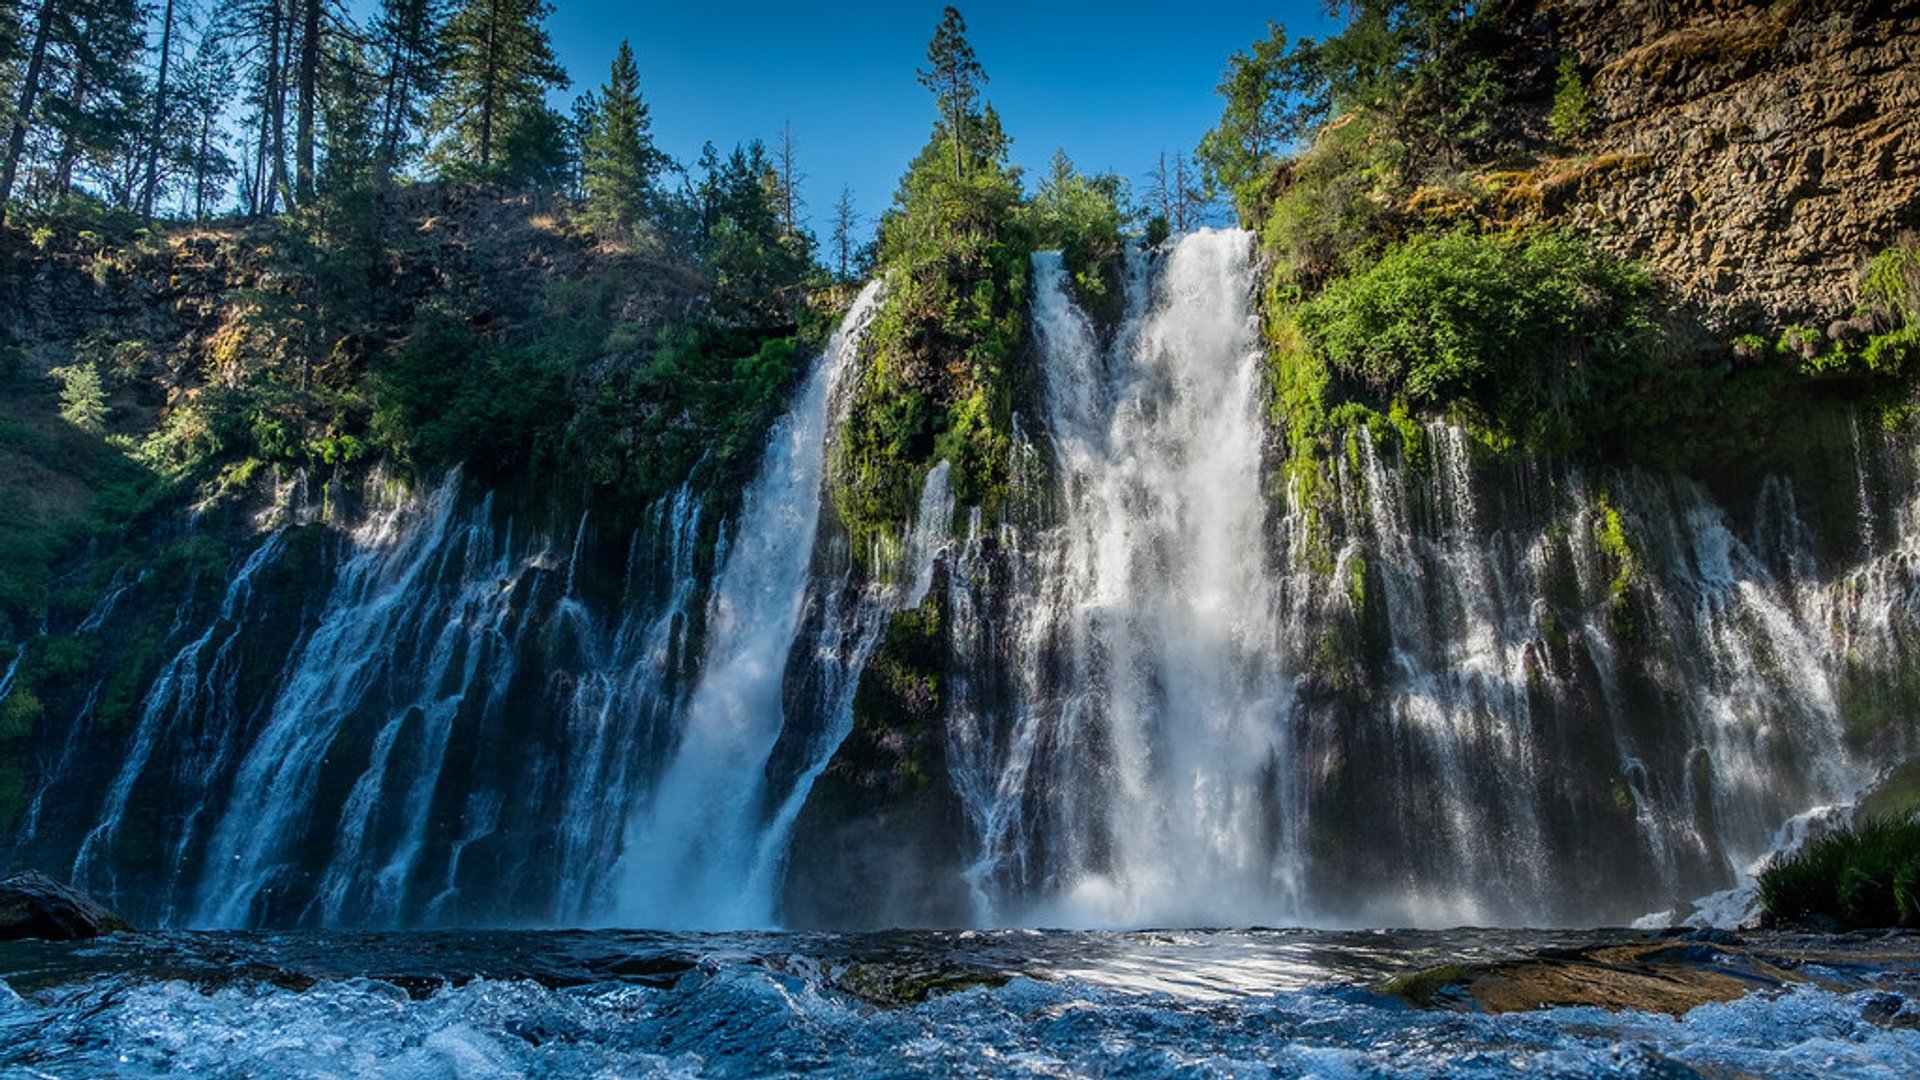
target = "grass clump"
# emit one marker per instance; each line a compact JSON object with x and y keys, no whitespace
{"x":1864,"y":876}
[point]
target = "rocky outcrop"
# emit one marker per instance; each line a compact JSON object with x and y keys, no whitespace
{"x":1671,"y":974}
{"x":1755,"y":154}
{"x":33,"y":905}
{"x":878,"y":843}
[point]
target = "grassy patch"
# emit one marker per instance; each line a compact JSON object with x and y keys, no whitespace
{"x":1864,"y":876}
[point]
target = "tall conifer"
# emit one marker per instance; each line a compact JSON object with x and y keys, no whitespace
{"x":618,"y":159}
{"x":499,"y":66}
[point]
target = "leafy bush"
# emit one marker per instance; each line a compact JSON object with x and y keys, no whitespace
{"x":1329,"y":213}
{"x":1080,"y":216}
{"x":449,"y":396}
{"x":1865,"y":876}
{"x":1524,"y":333}
{"x":1891,"y":283}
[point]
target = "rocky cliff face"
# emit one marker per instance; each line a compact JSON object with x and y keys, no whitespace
{"x":1754,"y":155}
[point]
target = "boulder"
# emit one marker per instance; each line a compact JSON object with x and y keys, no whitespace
{"x":33,"y":905}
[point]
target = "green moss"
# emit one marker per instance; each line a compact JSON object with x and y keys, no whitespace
{"x":1896,"y":797}
{"x":1357,"y":585}
{"x":900,"y":700}
{"x":1610,"y":536}
{"x":1873,"y":701}
{"x":1423,"y":988}
{"x":939,"y":383}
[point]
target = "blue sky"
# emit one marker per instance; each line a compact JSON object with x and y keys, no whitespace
{"x":1112,"y":83}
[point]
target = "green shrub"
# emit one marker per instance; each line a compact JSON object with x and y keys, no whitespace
{"x":1864,"y":876}
{"x":1331,"y":210}
{"x":1572,"y":115}
{"x":82,"y":400}
{"x":1080,"y":216}
{"x":1524,"y":333}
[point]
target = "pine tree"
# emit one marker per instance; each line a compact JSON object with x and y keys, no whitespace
{"x":206,"y":88}
{"x":407,"y":36}
{"x":499,"y":65}
{"x":349,"y":143}
{"x":15,"y":44}
{"x":311,"y":29}
{"x":954,"y":75}
{"x":155,"y":127}
{"x":93,"y":104}
{"x":754,"y":264}
{"x":83,"y":403}
{"x":260,"y":30}
{"x":617,"y":158}
{"x":23,"y":113}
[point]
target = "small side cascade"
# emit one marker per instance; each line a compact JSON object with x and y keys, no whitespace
{"x":191,"y":701}
{"x":694,"y":843}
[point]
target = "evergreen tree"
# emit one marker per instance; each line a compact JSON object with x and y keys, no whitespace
{"x":78,"y":94}
{"x":350,"y":143}
{"x":755,"y":265}
{"x":261,"y":33}
{"x":407,"y":36}
{"x":155,"y":137}
{"x":954,"y":75}
{"x":618,"y":161}
{"x":205,"y":89}
{"x":30,"y":80}
{"x":312,"y":31}
{"x":499,"y":66}
{"x":83,"y":403}
{"x":96,"y":104}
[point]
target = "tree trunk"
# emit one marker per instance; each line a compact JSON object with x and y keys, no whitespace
{"x":159,"y":114}
{"x":269,"y":96}
{"x":200,"y":167}
{"x":280,"y":45}
{"x":70,"y":141}
{"x":29,"y":89}
{"x":308,"y":80}
{"x":488,"y":79}
{"x":393,"y":108}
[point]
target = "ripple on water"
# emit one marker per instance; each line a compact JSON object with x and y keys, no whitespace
{"x":747,"y":1006}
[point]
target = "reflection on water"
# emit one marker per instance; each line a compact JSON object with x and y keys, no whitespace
{"x":1149,"y":1003}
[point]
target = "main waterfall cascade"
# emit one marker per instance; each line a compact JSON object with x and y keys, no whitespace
{"x":1443,"y":688}
{"x":1140,"y":772}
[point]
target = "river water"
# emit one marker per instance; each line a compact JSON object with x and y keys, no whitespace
{"x":1002,"y":1003}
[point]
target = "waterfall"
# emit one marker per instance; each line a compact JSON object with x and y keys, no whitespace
{"x":1424,"y":684}
{"x":193,"y":690}
{"x":441,"y":631}
{"x":704,"y":850}
{"x":1154,"y":684}
{"x":1446,"y":690}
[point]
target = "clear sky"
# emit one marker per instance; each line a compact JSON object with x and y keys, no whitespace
{"x":1113,"y":83}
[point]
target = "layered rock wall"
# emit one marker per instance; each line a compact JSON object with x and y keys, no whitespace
{"x":1762,"y":153}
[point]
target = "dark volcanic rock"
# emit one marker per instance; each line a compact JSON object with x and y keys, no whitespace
{"x":33,"y":905}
